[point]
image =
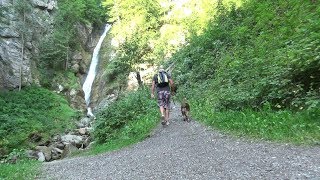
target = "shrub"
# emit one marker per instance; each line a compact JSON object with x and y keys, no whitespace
{"x":124,"y":115}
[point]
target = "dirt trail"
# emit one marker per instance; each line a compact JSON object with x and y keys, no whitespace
{"x":192,"y":151}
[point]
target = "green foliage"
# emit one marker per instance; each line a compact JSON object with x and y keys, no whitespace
{"x":25,"y":169}
{"x":56,"y":48}
{"x":131,"y":133}
{"x":283,"y":125}
{"x":151,"y":31}
{"x":116,"y":72}
{"x":260,"y":52}
{"x":33,"y":110}
{"x":22,"y":7}
{"x":136,"y":26}
{"x":132,"y":116}
{"x":75,"y":11}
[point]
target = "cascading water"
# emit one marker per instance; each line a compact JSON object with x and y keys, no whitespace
{"x":87,"y":85}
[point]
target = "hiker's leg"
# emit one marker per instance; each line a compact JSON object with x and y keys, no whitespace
{"x":167,"y":105}
{"x":161,"y":102}
{"x":162,"y":111}
{"x":167,"y":114}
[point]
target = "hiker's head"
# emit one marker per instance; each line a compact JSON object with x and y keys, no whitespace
{"x":161,"y":69}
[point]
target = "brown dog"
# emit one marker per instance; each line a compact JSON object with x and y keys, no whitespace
{"x":185,"y":109}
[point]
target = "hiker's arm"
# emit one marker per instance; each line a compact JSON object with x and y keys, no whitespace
{"x":152,"y":89}
{"x":171,"y":82}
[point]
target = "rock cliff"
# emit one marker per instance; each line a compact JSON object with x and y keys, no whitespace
{"x":20,"y":33}
{"x":24,"y":24}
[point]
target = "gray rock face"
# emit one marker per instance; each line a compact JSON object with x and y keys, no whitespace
{"x":14,"y":41}
{"x":44,"y":4}
{"x":23,"y":34}
{"x":84,"y":33}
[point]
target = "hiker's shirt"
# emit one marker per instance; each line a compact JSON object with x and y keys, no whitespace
{"x":165,"y":88}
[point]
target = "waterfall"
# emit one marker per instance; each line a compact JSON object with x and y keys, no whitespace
{"x":87,"y":85}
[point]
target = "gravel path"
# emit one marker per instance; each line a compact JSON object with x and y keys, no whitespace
{"x":192,"y":151}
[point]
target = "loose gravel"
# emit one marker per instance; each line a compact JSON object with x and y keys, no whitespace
{"x":192,"y":151}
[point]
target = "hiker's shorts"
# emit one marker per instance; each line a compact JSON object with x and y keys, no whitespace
{"x":164,"y":99}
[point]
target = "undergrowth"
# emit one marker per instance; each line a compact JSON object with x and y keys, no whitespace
{"x":126,"y":121}
{"x":297,"y":127}
{"x":31,"y":111}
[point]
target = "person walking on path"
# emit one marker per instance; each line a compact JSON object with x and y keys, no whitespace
{"x":162,"y":81}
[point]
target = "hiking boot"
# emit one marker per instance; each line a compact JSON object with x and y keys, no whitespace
{"x":167,"y":123}
{"x":163,"y":122}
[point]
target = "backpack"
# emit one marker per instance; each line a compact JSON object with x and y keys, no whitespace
{"x":163,"y":80}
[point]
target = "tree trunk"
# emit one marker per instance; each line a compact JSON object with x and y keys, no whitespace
{"x":139,"y":78}
{"x":21,"y":62}
{"x":22,"y":54}
{"x":67,"y":60}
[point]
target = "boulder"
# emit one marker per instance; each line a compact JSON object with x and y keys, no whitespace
{"x":55,"y":156}
{"x":75,"y":68}
{"x":56,"y":153}
{"x":46,"y":151}
{"x":86,"y":142}
{"x":72,"y":139}
{"x":60,"y":146}
{"x":32,"y":154}
{"x":85,"y":121}
{"x":51,"y":5}
{"x":57,"y":150}
{"x":56,"y":138}
{"x":41,"y":156}
{"x":68,"y":149}
{"x":73,"y":92}
{"x":82,"y":131}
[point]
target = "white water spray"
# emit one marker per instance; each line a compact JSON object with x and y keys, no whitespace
{"x":87,"y":85}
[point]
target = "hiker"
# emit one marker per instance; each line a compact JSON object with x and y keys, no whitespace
{"x":163,"y":82}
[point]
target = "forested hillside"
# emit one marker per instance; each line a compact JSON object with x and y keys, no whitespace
{"x":249,"y":67}
{"x":255,"y":70}
{"x":261,"y":52}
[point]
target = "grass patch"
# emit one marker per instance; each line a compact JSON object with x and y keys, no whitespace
{"x":25,"y":169}
{"x":133,"y":133}
{"x":33,"y":110}
{"x":301,"y":127}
